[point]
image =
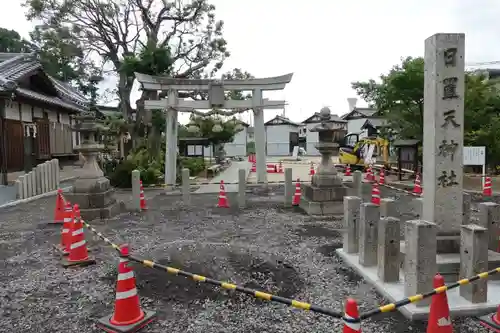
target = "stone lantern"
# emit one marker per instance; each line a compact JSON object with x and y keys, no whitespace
{"x":92,"y":191}
{"x":325,"y":194}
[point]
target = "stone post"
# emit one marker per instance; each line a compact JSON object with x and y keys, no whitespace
{"x":474,"y":260}
{"x":388,"y":249}
{"x":58,"y":173}
{"x":352,"y":207}
{"x":31,"y":174}
{"x":171,"y":140}
{"x":489,"y":218}
{"x":260,"y":136}
{"x":368,"y":234}
{"x":357,"y":183}
{"x":27,"y":180}
{"x":54,"y":179}
{"x":25,"y":186}
{"x":388,"y":208}
{"x":420,"y":258}
{"x":38,"y":176}
{"x":136,"y":190}
{"x":444,"y":82}
{"x":50,"y":176}
{"x":289,"y":189}
{"x":45,"y":180}
{"x":466,"y":208}
{"x":19,"y":189}
{"x":242,"y":187}
{"x":186,"y":187}
{"x":417,"y":207}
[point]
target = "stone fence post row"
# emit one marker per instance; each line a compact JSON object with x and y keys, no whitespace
{"x":41,"y":179}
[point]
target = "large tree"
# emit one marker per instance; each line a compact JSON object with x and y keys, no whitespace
{"x":12,"y":42}
{"x":115,"y":32}
{"x":399,"y":96}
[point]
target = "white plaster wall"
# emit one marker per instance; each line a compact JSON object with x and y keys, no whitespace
{"x":238,"y":147}
{"x":311,"y":140}
{"x":278,"y":139}
{"x":64,"y":119}
{"x":26,"y":113}
{"x":38,"y":112}
{"x":12,"y":110}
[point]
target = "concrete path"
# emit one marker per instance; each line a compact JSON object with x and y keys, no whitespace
{"x":230,"y":175}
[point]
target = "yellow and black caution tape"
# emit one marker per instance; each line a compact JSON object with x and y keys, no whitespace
{"x":101,"y":236}
{"x":229,"y":286}
{"x":417,"y":298}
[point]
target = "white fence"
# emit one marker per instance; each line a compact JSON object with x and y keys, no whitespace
{"x":42,"y":179}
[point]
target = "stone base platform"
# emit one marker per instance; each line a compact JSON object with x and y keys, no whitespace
{"x":395,"y":292}
{"x":449,"y":264}
{"x":321,"y":207}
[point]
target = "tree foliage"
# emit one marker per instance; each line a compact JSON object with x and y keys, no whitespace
{"x":125,"y":34}
{"x":12,"y":42}
{"x":399,"y":97}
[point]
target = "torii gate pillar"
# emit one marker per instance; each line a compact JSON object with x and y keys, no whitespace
{"x":260,"y":136}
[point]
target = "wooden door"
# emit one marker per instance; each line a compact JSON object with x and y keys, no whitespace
{"x":42,"y":148}
{"x":15,"y":145}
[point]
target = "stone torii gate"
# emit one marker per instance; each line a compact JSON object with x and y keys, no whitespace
{"x":217,"y":100}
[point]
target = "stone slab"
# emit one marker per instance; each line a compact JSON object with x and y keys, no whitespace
{"x":449,"y":263}
{"x":324,"y":194}
{"x":321,"y":208}
{"x":394,"y":291}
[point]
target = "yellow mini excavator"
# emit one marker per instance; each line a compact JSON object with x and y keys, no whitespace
{"x":360,"y":152}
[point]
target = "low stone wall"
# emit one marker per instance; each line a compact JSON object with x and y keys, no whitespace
{"x":41,"y":179}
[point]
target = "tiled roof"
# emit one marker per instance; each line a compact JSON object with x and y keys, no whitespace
{"x":15,"y":66}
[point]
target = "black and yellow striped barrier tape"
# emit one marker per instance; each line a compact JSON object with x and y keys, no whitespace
{"x":278,"y":182}
{"x":229,"y":286}
{"x":417,"y":298}
{"x":101,"y":236}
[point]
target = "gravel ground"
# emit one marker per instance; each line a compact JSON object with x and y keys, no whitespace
{"x":264,"y":246}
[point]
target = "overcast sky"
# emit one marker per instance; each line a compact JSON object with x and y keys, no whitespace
{"x":329,"y":44}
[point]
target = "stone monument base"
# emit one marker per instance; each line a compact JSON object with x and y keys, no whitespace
{"x":448,"y":264}
{"x":394,"y":292}
{"x":95,"y":197}
{"x":323,"y":200}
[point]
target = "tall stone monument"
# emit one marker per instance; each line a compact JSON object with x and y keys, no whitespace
{"x":444,"y":137}
{"x":325,"y":194}
{"x":92,"y":191}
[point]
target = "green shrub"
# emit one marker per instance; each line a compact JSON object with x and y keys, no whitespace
{"x":194,"y":164}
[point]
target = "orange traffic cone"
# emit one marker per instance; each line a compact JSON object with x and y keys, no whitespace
{"x":311,"y":170}
{"x":417,"y":188}
{"x":66,"y":229}
{"x":487,"y":187}
{"x":222,"y":196}
{"x":375,"y":194}
{"x":59,"y":209}
{"x":254,"y":167}
{"x":348,"y":170}
{"x":492,"y":321}
{"x":381,"y":179}
{"x":297,"y":194}
{"x":439,"y":314}
{"x":78,"y":252}
{"x":142,"y":198}
{"x":368,"y":174}
{"x":128,"y":315}
{"x":351,"y":317}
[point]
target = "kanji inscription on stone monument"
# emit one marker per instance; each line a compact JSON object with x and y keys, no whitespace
{"x":443,"y":131}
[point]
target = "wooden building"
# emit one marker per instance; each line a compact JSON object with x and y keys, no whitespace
{"x":35,"y":109}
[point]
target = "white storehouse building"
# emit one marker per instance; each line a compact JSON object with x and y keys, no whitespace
{"x":282,"y":135}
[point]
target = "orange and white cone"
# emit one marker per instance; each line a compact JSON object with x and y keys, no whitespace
{"x":128,"y":315}
{"x":297,"y":194}
{"x":368,"y":174}
{"x":223,"y":203}
{"x":351,"y":317}
{"x":311,"y":170}
{"x":375,"y":194}
{"x":487,"y":192}
{"x":142,"y":198}
{"x":417,"y":188}
{"x":381,"y":179}
{"x":439,"y":314}
{"x":59,"y":209}
{"x":66,"y":229}
{"x":254,"y":167}
{"x":348,"y":170}
{"x":492,"y":321}
{"x":78,"y":252}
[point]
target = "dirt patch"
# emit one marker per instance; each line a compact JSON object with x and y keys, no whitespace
{"x":328,"y":250}
{"x":277,"y":277}
{"x":316,"y":230}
